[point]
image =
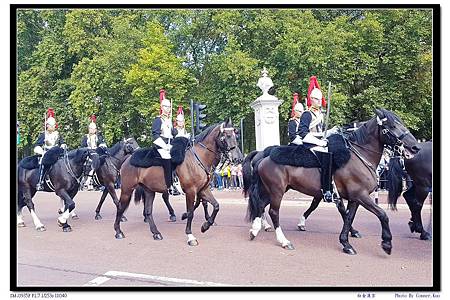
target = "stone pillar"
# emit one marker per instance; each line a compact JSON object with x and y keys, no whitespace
{"x":267,"y":125}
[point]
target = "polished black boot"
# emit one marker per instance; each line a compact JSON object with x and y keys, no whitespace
{"x":325,"y":176}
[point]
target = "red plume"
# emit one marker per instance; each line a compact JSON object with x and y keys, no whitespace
{"x":93,"y":118}
{"x":162,"y":96}
{"x":314,"y":84}
{"x":50,"y":113}
{"x":179,"y":112}
{"x":293,"y":104}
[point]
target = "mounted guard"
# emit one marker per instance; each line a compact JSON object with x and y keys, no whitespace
{"x":180,"y":124}
{"x":163,"y":134}
{"x":294,"y":122}
{"x":46,"y":141}
{"x":311,"y":130}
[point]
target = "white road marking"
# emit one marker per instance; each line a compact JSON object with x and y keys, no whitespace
{"x":117,"y":274}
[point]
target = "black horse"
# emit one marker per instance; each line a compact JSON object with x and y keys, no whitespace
{"x":420,"y":169}
{"x":64,"y":175}
{"x":107,"y":165}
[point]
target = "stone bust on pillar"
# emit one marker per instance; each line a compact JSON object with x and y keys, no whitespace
{"x":266,"y":114}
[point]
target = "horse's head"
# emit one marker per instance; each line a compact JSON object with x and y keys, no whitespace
{"x":130,"y":145}
{"x":395,"y":134}
{"x":227,"y":143}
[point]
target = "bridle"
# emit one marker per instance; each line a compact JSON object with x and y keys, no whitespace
{"x":69,"y":168}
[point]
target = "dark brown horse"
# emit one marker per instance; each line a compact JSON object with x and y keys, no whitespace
{"x":355,"y":180}
{"x":194,"y":174}
{"x":420,"y":169}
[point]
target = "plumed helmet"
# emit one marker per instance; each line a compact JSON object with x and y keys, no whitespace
{"x":298,"y":107}
{"x":180,"y":117}
{"x":165,"y":102}
{"x":314,"y":84}
{"x":92,"y":125}
{"x":51,"y":121}
{"x":316,"y":93}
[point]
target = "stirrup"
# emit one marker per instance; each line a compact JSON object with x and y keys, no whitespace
{"x":328,"y":197}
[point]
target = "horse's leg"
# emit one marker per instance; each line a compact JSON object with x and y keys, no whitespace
{"x":20,"y":205}
{"x":190,"y":207}
{"x":172,"y":216}
{"x":69,"y":206}
{"x":73,"y":214}
{"x":30,"y":205}
{"x":302,"y":222}
{"x":205,"y":208}
{"x":100,"y":203}
{"x":348,"y":220}
{"x":110,"y":188}
{"x":264,"y":223}
{"x":416,"y":210}
{"x":411,"y":201}
{"x":206,"y":195}
{"x":341,"y":208}
{"x":149,"y":198}
{"x":274,"y":215}
{"x":386,"y":235}
{"x":125,"y":197}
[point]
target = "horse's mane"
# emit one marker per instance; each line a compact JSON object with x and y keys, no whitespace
{"x":114,"y":149}
{"x":360,"y":135}
{"x":77,"y":154}
{"x":202,"y":135}
{"x":391,"y":117}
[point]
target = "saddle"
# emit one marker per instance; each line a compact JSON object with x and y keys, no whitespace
{"x":50,"y":158}
{"x":301,"y":156}
{"x":150,"y":157}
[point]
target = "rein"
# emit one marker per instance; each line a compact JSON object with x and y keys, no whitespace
{"x":69,"y":168}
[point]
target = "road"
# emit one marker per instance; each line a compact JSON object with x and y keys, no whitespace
{"x":91,"y":256}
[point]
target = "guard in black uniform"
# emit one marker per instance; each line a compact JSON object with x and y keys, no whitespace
{"x":163,"y":133}
{"x":311,"y":132}
{"x":293,"y":125}
{"x":48,"y":139}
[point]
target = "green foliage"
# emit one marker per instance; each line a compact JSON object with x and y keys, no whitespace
{"x":113,"y":63}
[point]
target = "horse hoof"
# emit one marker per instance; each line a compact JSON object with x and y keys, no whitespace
{"x":184,"y":216}
{"x":21,"y":224}
{"x":387,"y":247}
{"x":356,"y":235}
{"x":120,"y":236}
{"x":288,"y":247}
{"x":204,"y":227}
{"x":301,"y":227}
{"x":193,"y":243}
{"x":123,"y":219}
{"x":268,"y":229}
{"x":411,"y":226}
{"x":60,"y":212}
{"x":425,"y":236}
{"x":349,"y":250}
{"x":98,"y":217}
{"x":67,"y":228}
{"x":59,"y":223}
{"x":252,"y":236}
{"x":172,"y":218}
{"x":41,"y":228}
{"x":75,"y":217}
{"x":157,"y":236}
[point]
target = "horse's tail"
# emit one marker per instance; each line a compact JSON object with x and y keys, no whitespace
{"x":394,"y":182}
{"x":139,"y":194}
{"x":256,"y":200}
{"x":247,"y":171}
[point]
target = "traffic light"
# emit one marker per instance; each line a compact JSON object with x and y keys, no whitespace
{"x":199,"y":116}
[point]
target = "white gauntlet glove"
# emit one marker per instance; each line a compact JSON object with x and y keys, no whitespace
{"x":38,"y":150}
{"x":310,"y":138}
{"x":297,"y":140}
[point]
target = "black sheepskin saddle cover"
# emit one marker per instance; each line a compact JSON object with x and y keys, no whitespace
{"x":50,"y":157}
{"x":30,"y":162}
{"x":150,"y":157}
{"x":301,"y":156}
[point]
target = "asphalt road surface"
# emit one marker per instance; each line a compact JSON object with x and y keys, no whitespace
{"x":91,"y":256}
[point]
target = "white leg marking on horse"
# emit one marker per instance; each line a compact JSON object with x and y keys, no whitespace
{"x":281,"y":238}
{"x":63,"y":218}
{"x":20,"y":217}
{"x":302,"y":221}
{"x":191,"y":237}
{"x":256,"y":226}
{"x":36,"y":221}
{"x":265,"y":224}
